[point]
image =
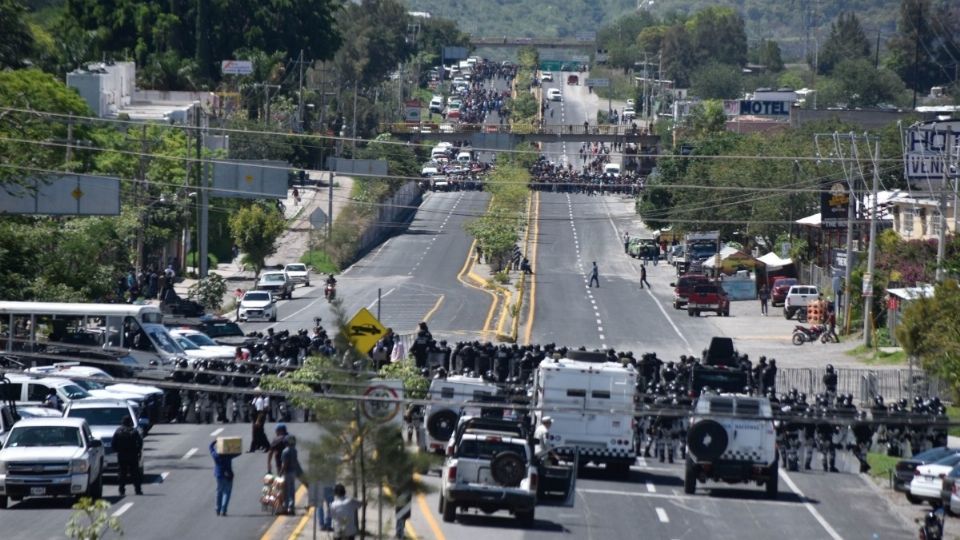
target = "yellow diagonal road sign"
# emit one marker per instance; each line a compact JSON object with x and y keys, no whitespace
{"x":365,"y":330}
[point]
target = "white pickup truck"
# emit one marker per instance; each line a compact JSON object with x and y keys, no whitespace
{"x":491,"y":473}
{"x":51,"y":457}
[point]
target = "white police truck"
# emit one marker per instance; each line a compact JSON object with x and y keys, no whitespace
{"x":591,"y":403}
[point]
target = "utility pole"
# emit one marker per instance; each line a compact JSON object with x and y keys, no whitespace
{"x":356,"y":84}
{"x":69,"y":149}
{"x":141,"y":184}
{"x":204,"y":197}
{"x":916,"y":54}
{"x":942,"y":219}
{"x":868,"y":277}
{"x":300,"y":96}
{"x":876,"y":53}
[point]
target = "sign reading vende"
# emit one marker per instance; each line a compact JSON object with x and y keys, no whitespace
{"x":764,"y":108}
{"x":926,"y":145}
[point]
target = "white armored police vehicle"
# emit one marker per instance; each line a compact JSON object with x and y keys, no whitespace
{"x":731,"y":439}
{"x":591,"y":402}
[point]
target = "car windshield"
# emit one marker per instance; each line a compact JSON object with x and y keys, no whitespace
{"x":256,"y":297}
{"x":31,"y":436}
{"x":163,"y":341}
{"x":89,"y":385}
{"x":72,"y":391}
{"x":273,"y":277}
{"x":296,"y":268}
{"x":100,"y":416}
{"x":223,"y":329}
{"x":201,"y":340}
{"x":186,"y":344}
{"x":486,"y":449}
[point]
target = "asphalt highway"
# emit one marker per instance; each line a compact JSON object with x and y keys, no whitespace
{"x":416,"y":273}
{"x":178,"y":491}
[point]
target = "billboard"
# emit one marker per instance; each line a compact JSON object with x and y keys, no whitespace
{"x":63,"y":195}
{"x":236,"y":67}
{"x":359,"y":167}
{"x":924,"y":148}
{"x":834,"y":204}
{"x":250,"y":179}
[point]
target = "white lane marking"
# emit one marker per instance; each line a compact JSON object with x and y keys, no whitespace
{"x":642,"y":462}
{"x":669,"y":320}
{"x":651,"y":488}
{"x":189,"y":454}
{"x":216,"y":432}
{"x":662,"y":515}
{"x":602,"y":338}
{"x":600,"y":329}
{"x":813,"y":511}
{"x":122,"y":510}
{"x":163,"y":476}
{"x":599,"y":321}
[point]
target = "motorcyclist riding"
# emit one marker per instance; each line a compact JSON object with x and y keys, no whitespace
{"x":331,"y":289}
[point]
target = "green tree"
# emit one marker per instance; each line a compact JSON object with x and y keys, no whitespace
{"x":718,"y":35}
{"x":855,"y":83}
{"x":678,"y":55}
{"x":255,"y":230}
{"x":936,"y":48}
{"x":846,"y":41}
{"x":716,"y":81}
{"x":767,"y":53}
{"x":91,"y":520}
{"x":707,"y":118}
{"x":209,"y":292}
{"x":930,"y":331}
{"x":16,"y":39}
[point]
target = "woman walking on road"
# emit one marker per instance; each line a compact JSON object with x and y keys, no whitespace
{"x":259,"y":440}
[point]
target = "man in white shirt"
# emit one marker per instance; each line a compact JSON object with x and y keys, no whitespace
{"x":542,"y":435}
{"x":261,"y":403}
{"x":343,"y":510}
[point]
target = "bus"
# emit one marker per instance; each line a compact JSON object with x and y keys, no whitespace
{"x":125,"y":337}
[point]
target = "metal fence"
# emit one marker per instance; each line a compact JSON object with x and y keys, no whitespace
{"x":892,"y":384}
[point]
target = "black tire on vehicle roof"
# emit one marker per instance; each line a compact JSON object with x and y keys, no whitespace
{"x":707,"y":440}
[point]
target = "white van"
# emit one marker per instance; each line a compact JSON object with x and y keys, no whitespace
{"x":464,"y":157}
{"x":436,"y":104}
{"x":439,"y":153}
{"x":612,"y":169}
{"x":591,"y":402}
{"x":447,"y":399}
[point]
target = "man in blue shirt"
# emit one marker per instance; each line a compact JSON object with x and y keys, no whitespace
{"x":223,"y":472}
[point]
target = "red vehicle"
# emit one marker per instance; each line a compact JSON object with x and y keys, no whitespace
{"x":708,"y":297}
{"x":684,"y":286}
{"x":778,"y":293}
{"x":573,"y":80}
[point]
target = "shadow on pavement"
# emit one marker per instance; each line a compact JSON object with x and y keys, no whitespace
{"x":505,"y":522}
{"x":753,"y":495}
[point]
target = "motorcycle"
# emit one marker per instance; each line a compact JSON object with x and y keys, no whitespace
{"x":330,"y":292}
{"x":932,"y":526}
{"x":803,"y":334}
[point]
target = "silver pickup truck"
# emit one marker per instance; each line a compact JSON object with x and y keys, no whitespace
{"x":51,"y":457}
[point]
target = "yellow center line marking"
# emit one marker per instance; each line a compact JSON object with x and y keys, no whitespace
{"x":431,"y":521}
{"x":531,"y":308}
{"x":434,"y":309}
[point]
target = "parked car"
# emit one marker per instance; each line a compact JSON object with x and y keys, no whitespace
{"x":799,"y":297}
{"x":105,"y":416}
{"x":553,"y":94}
{"x":781,"y":286}
{"x":928,"y":479}
{"x":436,"y":104}
{"x":278,"y":283}
{"x":573,"y":80}
{"x":546,"y":76}
{"x":203,"y":341}
{"x":51,"y":457}
{"x":906,"y":468}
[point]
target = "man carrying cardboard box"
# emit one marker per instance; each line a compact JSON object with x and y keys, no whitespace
{"x":223,"y":471}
